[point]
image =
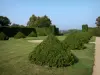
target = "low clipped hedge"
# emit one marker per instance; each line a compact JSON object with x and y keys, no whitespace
{"x":52,"y":52}
{"x":19,"y":35}
{"x":77,"y":40}
{"x":3,"y":36}
{"x":32,"y":34}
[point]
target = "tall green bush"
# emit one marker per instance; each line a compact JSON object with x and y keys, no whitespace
{"x":52,"y":52}
{"x":19,"y":35}
{"x":3,"y":36}
{"x":85,"y":28}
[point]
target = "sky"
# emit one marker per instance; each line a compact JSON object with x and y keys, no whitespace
{"x":65,"y":14}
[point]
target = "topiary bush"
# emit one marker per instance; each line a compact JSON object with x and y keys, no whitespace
{"x":72,"y":42}
{"x":52,"y":52}
{"x":3,"y":36}
{"x":84,"y":37}
{"x":19,"y":35}
{"x":85,"y":28}
{"x":77,"y":40}
{"x":32,"y":34}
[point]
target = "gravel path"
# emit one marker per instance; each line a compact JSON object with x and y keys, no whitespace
{"x":96,"y":68}
{"x":35,"y":41}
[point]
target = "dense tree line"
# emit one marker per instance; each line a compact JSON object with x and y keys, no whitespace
{"x":36,"y":21}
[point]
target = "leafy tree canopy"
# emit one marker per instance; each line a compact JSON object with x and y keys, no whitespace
{"x":4,"y":21}
{"x":98,"y":21}
{"x":35,"y":21}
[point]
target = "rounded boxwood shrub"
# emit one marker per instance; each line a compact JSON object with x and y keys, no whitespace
{"x":3,"y":36}
{"x":32,"y":34}
{"x":19,"y":35}
{"x":52,"y":52}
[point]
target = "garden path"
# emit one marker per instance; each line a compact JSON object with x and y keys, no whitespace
{"x":96,"y":68}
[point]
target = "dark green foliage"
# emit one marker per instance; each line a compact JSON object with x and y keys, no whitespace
{"x":47,"y":30}
{"x":53,"y":29}
{"x":77,"y":40}
{"x":85,"y":28}
{"x":97,"y":31}
{"x":3,"y":36}
{"x":52,"y":52}
{"x":41,"y":31}
{"x":32,"y":21}
{"x":43,"y":21}
{"x":32,"y":34}
{"x":11,"y":31}
{"x":17,"y":25}
{"x":91,"y":30}
{"x":19,"y":35}
{"x":98,"y":21}
{"x":4,"y":21}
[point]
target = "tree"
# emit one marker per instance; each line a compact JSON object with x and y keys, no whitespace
{"x":43,"y":21}
{"x":31,"y":21}
{"x":4,"y":21}
{"x":15,"y":25}
{"x":98,"y":21}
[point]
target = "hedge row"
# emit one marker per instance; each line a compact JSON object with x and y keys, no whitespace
{"x":95,"y":31}
{"x":77,"y":40}
{"x":11,"y":31}
{"x":47,"y":30}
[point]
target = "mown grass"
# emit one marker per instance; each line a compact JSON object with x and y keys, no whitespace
{"x":93,"y":39}
{"x":14,"y":60}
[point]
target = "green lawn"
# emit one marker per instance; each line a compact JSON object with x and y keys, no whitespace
{"x":43,"y":37}
{"x":93,"y":39}
{"x":14,"y":60}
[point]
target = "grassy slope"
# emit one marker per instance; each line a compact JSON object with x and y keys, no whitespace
{"x":14,"y":60}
